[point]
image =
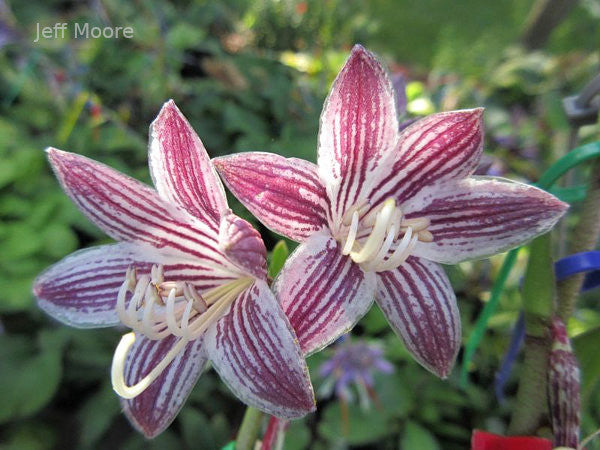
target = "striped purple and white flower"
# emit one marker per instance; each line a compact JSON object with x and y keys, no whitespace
{"x":187,"y":276}
{"x":380,"y":212}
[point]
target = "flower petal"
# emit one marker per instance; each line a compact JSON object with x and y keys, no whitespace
{"x":443,"y":146}
{"x":254,"y":350}
{"x":154,"y":409}
{"x":128,"y":210}
{"x":359,"y":127}
{"x":478,"y":217}
{"x":81,"y":289}
{"x":418,"y":301}
{"x":285,"y":194}
{"x":322,"y":292}
{"x":180,"y":166}
{"x":243,"y":245}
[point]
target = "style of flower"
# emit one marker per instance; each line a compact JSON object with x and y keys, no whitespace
{"x":353,"y":363}
{"x":188,"y":277}
{"x":380,"y":212}
{"x":482,"y":440}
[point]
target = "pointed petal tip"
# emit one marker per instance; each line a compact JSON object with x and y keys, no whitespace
{"x":359,"y":52}
{"x":167,"y":110}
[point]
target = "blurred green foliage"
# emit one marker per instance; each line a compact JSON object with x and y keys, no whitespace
{"x":252,"y":76}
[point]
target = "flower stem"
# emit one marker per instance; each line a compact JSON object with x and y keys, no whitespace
{"x":249,"y":429}
{"x":585,"y":237}
{"x":538,"y":305}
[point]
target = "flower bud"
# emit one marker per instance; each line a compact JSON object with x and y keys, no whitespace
{"x":563,"y":386}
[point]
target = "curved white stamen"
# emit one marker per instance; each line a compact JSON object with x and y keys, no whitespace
{"x":170,"y":313}
{"x":117,"y":372}
{"x":136,"y":301}
{"x":157,"y":274}
{"x":351,"y":234}
{"x":378,"y":233}
{"x":401,"y":253}
{"x":121,"y":312}
{"x":383,"y":251}
{"x":185,"y":320}
{"x":147,"y":318}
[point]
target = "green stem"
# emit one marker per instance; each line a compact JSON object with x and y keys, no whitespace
{"x":531,"y":397}
{"x":249,"y":429}
{"x":538,"y":305}
{"x":585,"y":237}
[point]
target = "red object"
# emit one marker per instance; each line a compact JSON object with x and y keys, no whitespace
{"x":482,"y":440}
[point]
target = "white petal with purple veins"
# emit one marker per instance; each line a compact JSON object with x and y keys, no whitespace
{"x":323,"y":292}
{"x":128,"y":210}
{"x":255,"y":351}
{"x":285,"y":194}
{"x":359,"y":130}
{"x":418,"y":301}
{"x":443,"y":146}
{"x":478,"y":217}
{"x":81,"y":290}
{"x":181,"y":169}
{"x":154,"y":409}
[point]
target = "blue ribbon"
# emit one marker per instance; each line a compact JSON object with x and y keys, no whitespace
{"x":584,"y":262}
{"x":578,"y":263}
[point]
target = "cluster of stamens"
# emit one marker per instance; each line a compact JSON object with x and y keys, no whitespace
{"x":383,"y":238}
{"x":158,"y":309}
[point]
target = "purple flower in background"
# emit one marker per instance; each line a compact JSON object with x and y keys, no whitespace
{"x":399,"y":86}
{"x":187,"y":276}
{"x":380,"y":212}
{"x":353,"y":364}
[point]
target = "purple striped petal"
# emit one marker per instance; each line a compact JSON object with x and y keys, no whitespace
{"x":359,"y":126}
{"x":285,"y":194}
{"x":419,"y":303}
{"x":322,"y":292}
{"x":440,"y":147}
{"x":243,"y":245}
{"x":154,"y":409}
{"x":479,"y":217}
{"x":180,"y":167}
{"x":255,"y":351}
{"x":128,"y":210}
{"x":81,"y":290}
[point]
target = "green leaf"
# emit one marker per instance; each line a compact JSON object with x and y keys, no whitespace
{"x":586,"y":349}
{"x":28,"y":381}
{"x":361,"y":428}
{"x":97,"y":414}
{"x":297,"y":437}
{"x":417,"y":437}
{"x":278,"y":256}
{"x":199,"y":431}
{"x":374,"y":321}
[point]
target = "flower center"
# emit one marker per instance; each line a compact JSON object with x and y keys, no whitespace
{"x":382,"y":239}
{"x":158,"y":309}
